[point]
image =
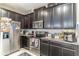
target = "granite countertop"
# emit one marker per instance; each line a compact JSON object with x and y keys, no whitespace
{"x":58,"y":40}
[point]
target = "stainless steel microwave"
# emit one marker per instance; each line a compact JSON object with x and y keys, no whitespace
{"x":38,"y":24}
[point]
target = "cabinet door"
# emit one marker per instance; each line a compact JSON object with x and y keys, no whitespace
{"x":35,"y":15}
{"x":40,"y":14}
{"x":4,"y":13}
{"x":31,"y":20}
{"x":24,"y":42}
{"x":57,"y":19}
{"x":12,"y":15}
{"x":27,"y":21}
{"x":22,"y":20}
{"x":44,"y":49}
{"x":47,"y":18}
{"x":55,"y":51}
{"x":68,"y":20}
{"x":0,"y":12}
{"x":18,"y":17}
{"x":67,"y":52}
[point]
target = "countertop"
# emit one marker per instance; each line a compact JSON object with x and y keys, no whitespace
{"x":52,"y":39}
{"x":58,"y":40}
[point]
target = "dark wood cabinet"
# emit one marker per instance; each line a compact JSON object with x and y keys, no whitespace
{"x":44,"y":49}
{"x":64,"y":16}
{"x":35,"y":15}
{"x":22,"y":20}
{"x":5,"y":13}
{"x":0,"y":12}
{"x":47,"y":18}
{"x":12,"y":15}
{"x":67,"y":52}
{"x":24,"y":42}
{"x":29,"y":21}
{"x":18,"y":17}
{"x":56,"y":21}
{"x":61,"y":16}
{"x":55,"y":50}
{"x":68,"y":16}
{"x":39,"y":14}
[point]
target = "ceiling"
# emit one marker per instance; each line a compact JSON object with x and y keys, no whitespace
{"x":22,"y":8}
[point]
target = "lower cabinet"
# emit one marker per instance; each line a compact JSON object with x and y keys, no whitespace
{"x":67,"y":52}
{"x":44,"y":49}
{"x":24,"y":42}
{"x":55,"y":51}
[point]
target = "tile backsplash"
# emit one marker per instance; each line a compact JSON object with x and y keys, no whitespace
{"x":51,"y":31}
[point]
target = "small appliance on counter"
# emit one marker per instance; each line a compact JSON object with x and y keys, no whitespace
{"x":70,"y":37}
{"x":56,"y":35}
{"x":40,"y":34}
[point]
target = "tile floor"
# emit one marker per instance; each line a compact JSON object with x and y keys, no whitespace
{"x":21,"y":51}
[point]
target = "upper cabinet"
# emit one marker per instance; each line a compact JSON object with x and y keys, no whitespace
{"x":29,"y":21}
{"x":22,"y":20}
{"x":62,"y":16}
{"x":5,"y":13}
{"x":56,"y":21}
{"x":18,"y":17}
{"x":47,"y":18}
{"x":0,"y":12}
{"x":12,"y":15}
{"x":38,"y":13}
{"x":68,"y":13}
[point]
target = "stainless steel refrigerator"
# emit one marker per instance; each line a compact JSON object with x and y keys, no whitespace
{"x":9,"y":36}
{"x":15,"y":36}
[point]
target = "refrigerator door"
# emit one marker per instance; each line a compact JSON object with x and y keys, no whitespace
{"x":11,"y":41}
{"x":16,"y":34}
{"x":5,"y":43}
{"x":15,"y":39}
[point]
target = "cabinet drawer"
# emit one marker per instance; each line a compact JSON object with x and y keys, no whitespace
{"x":64,"y":45}
{"x":55,"y":43}
{"x":67,"y":52}
{"x":69,"y":46}
{"x":44,"y":41}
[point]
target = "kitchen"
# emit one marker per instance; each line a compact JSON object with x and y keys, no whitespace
{"x":40,"y":29}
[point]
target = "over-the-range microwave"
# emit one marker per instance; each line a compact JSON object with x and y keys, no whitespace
{"x":38,"y":24}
